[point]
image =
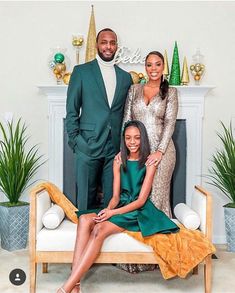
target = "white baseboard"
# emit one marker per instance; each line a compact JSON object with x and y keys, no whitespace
{"x":219,"y":239}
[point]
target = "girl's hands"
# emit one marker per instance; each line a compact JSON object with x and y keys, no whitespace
{"x":103,"y":215}
{"x":118,"y":158}
{"x":154,"y":158}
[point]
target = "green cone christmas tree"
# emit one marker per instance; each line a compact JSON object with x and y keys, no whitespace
{"x":175,"y":68}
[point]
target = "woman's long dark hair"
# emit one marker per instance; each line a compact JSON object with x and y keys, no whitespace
{"x":144,"y":143}
{"x":164,"y":86}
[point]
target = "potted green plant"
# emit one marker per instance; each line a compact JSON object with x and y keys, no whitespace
{"x":18,"y":165}
{"x":222,"y":175}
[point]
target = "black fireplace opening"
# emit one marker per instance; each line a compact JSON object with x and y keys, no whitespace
{"x":178,"y":182}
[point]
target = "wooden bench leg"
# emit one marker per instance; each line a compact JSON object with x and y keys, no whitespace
{"x":207,"y":274}
{"x":45,"y":267}
{"x":33,"y":275}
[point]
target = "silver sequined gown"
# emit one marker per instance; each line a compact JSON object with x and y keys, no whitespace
{"x":159,"y":118}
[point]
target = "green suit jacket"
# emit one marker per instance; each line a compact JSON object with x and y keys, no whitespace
{"x":89,"y":118}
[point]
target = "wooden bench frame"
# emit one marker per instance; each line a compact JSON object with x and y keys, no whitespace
{"x":45,"y":257}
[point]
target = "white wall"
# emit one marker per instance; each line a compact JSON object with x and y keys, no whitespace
{"x":29,"y":29}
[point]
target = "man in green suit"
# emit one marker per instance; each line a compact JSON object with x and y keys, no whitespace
{"x":95,"y":102}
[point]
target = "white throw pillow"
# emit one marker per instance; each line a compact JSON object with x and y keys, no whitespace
{"x":186,"y":216}
{"x":53,"y":217}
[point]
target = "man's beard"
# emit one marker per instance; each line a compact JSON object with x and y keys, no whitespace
{"x":106,"y":59}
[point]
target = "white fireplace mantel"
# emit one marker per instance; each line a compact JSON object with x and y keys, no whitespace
{"x":191,"y":108}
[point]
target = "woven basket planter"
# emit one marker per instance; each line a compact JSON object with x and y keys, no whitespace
{"x":14,"y":227}
{"x":229,"y":215}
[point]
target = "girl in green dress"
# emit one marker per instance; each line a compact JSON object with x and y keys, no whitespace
{"x":129,"y":208}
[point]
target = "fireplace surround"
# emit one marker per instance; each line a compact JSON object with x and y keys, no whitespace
{"x":191,"y":109}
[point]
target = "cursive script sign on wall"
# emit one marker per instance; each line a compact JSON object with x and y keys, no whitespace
{"x":125,"y":55}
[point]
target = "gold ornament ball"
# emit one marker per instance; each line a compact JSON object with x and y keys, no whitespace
{"x":197,"y":77}
{"x":192,"y":67}
{"x":60,"y":67}
{"x":66,"y":77}
{"x":58,"y":76}
{"x":197,"y":67}
{"x":202,"y":67}
{"x":75,"y":42}
{"x":55,"y":71}
{"x":200,"y":72}
{"x":134,"y":76}
{"x":141,"y":75}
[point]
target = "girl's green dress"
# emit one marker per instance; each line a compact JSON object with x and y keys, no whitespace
{"x":148,"y":219}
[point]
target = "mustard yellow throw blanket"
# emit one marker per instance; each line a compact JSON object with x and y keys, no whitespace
{"x":60,"y":199}
{"x":177,"y":253}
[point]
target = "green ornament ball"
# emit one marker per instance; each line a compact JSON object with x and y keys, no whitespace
{"x":143,"y":81}
{"x":59,"y":57}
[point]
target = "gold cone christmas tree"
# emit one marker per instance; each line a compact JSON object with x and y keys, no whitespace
{"x":166,"y":66}
{"x":185,"y":75}
{"x":91,"y":38}
{"x":175,"y":68}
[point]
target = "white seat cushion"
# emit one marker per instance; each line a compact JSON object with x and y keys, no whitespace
{"x":63,"y":239}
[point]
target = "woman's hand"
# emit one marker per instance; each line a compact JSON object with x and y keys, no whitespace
{"x":154,"y":158}
{"x":118,"y":158}
{"x":103,"y":215}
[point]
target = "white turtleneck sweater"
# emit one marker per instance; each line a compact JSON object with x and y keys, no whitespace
{"x":109,"y":76}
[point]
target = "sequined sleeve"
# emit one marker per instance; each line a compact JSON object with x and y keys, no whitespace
{"x":169,"y":119}
{"x":128,"y":106}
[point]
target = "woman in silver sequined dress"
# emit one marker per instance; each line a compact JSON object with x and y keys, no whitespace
{"x":155,"y":104}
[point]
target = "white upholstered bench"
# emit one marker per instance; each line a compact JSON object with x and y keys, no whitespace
{"x":56,"y":246}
